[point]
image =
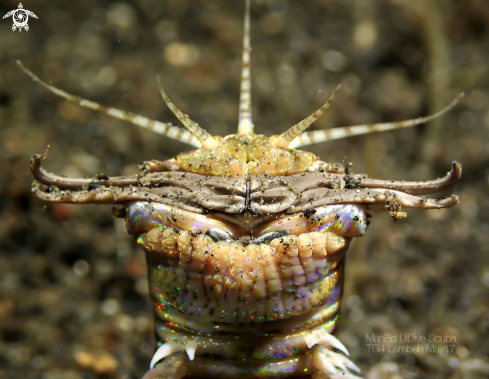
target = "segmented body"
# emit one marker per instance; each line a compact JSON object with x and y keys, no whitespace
{"x":245,"y":240}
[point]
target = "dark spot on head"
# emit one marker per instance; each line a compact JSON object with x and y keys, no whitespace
{"x":351,"y":181}
{"x":309,"y":212}
{"x":93,"y":186}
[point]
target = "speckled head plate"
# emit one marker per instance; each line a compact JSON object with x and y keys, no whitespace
{"x":245,"y":239}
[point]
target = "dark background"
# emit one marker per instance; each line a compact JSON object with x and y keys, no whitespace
{"x":73,"y":297}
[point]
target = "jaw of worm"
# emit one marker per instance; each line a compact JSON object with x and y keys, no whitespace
{"x":245,"y":238}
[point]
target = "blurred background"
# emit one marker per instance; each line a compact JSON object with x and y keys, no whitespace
{"x":73,"y":291}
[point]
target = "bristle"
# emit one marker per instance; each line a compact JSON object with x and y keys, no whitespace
{"x":165,"y":350}
{"x":245,"y":124}
{"x":165,"y":129}
{"x":207,"y":141}
{"x":318,"y":136}
{"x":284,"y":140}
{"x":190,"y":349}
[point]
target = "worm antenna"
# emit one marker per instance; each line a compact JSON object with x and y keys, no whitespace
{"x":165,"y":129}
{"x":245,"y":125}
{"x":284,"y":140}
{"x":207,"y":141}
{"x":318,"y":136}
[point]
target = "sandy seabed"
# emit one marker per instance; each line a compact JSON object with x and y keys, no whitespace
{"x":73,"y":292}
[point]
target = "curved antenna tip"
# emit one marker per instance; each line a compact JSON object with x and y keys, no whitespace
{"x":284,"y":140}
{"x":207,"y":141}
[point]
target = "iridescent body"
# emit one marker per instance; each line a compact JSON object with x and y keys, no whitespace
{"x":245,"y":240}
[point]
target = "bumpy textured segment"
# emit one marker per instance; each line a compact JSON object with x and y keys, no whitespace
{"x":252,"y":302}
{"x":228,"y":282}
{"x":246,"y":154}
{"x":243,"y":277}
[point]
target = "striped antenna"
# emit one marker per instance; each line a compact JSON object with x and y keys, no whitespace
{"x":207,"y":141}
{"x":165,"y":129}
{"x":318,"y":136}
{"x":285,"y":139}
{"x":245,"y":125}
